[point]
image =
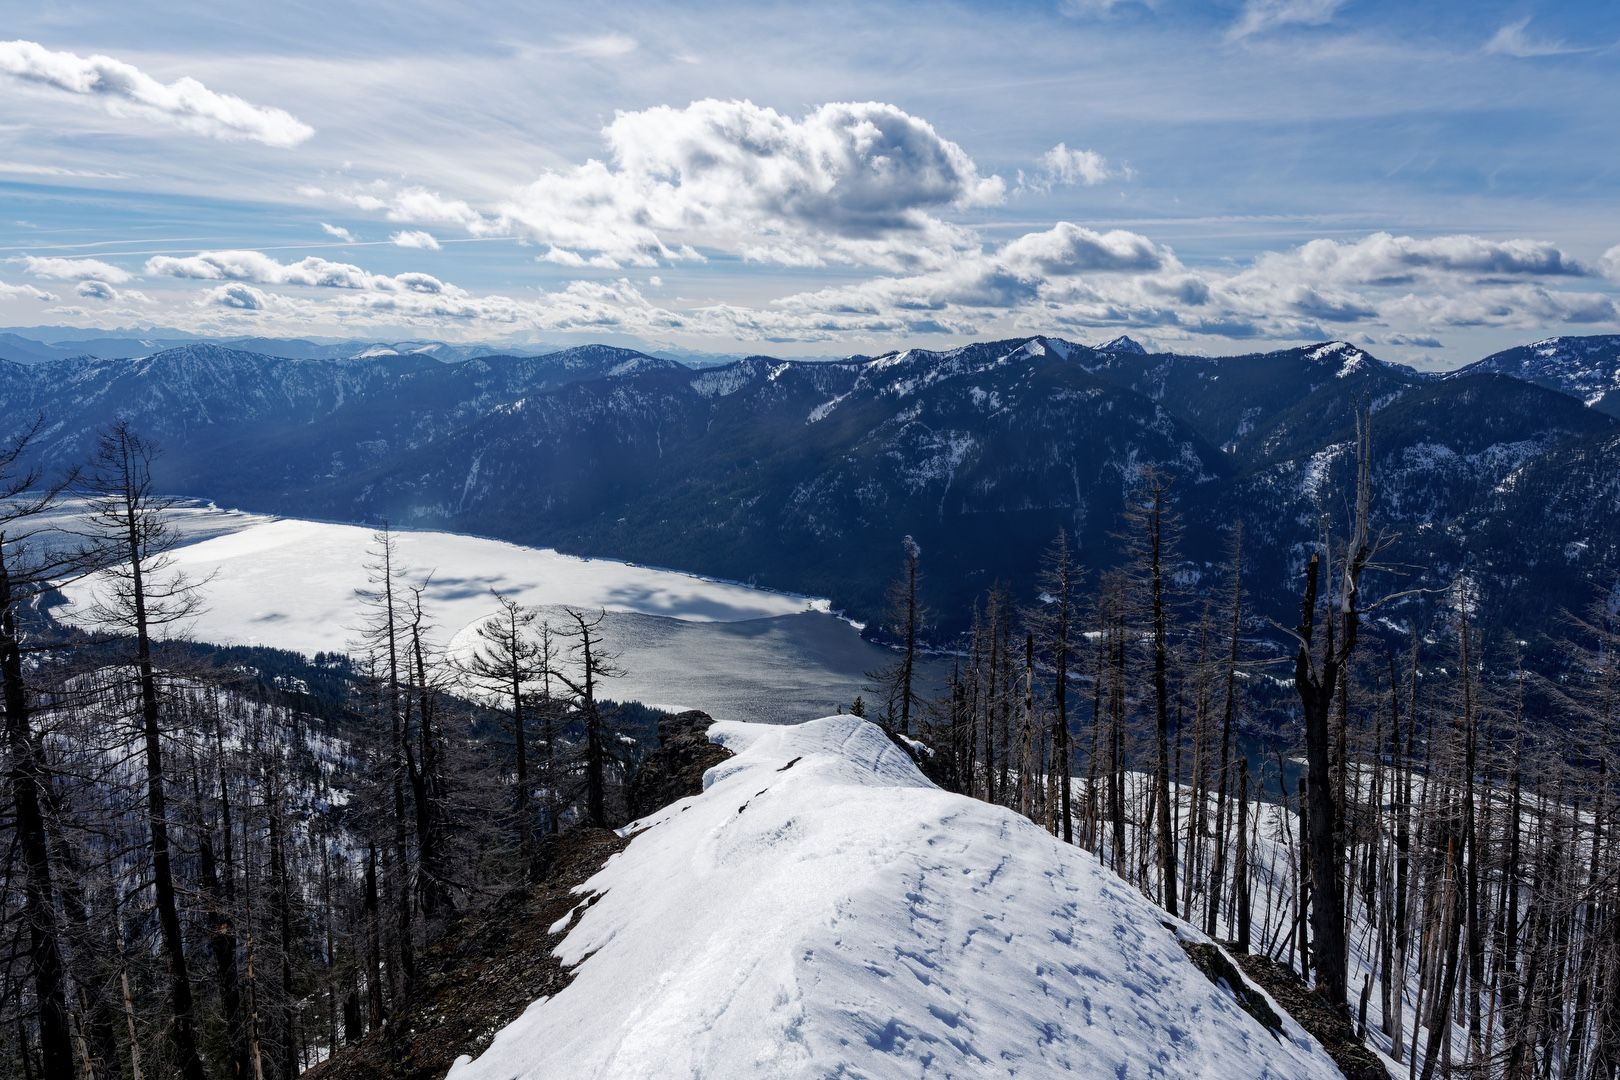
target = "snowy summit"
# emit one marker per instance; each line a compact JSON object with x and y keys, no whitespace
{"x":822,"y":909}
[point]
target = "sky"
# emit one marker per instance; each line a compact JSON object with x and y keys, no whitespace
{"x":1433,"y":182}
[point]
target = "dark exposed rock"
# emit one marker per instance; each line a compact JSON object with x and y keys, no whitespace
{"x":675,"y":770}
{"x":1214,"y":963}
{"x":1329,"y":1026}
{"x":936,"y":766}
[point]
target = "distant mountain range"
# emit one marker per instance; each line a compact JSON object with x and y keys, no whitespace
{"x":48,"y":346}
{"x":44,"y":344}
{"x":805,"y":474}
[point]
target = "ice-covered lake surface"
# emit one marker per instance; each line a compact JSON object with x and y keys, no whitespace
{"x":734,"y":651}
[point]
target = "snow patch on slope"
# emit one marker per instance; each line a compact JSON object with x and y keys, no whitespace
{"x":823,"y":910}
{"x":1351,"y":359}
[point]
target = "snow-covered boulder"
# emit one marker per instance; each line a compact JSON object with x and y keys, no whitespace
{"x":823,"y":910}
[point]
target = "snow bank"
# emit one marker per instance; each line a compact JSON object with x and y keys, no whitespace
{"x":823,"y":910}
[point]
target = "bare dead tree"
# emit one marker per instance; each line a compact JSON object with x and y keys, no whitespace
{"x":1053,"y":619}
{"x":592,"y":663}
{"x":905,"y":616}
{"x":27,"y":568}
{"x":506,"y":659}
{"x":141,"y":596}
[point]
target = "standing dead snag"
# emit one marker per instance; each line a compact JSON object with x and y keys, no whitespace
{"x":380,"y":633}
{"x":1054,"y":621}
{"x":143,"y":594}
{"x":1217,"y":874}
{"x":1326,"y":637}
{"x":24,"y":574}
{"x":506,"y":659}
{"x":594,"y":663}
{"x":905,"y":615}
{"x":427,"y":775}
{"x":1151,"y":533}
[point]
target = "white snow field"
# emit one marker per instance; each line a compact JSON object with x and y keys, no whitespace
{"x":292,"y":584}
{"x":687,"y":641}
{"x":822,"y":910}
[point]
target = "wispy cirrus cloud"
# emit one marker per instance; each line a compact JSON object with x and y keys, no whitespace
{"x":23,"y":168}
{"x":124,"y":88}
{"x":338,"y":232}
{"x":1094,"y":8}
{"x":1260,"y":16}
{"x":596,"y":46}
{"x":1514,"y":39}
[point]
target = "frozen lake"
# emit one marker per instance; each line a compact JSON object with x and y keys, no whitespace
{"x":736,"y":652}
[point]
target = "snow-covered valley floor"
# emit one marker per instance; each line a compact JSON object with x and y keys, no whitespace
{"x":822,"y":910}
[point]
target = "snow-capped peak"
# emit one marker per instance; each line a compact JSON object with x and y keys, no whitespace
{"x":823,"y":910}
{"x":1123,"y":346}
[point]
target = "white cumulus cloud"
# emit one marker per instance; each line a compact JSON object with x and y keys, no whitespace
{"x":59,"y":269}
{"x":1385,"y":259}
{"x":97,"y":290}
{"x":415,"y":238}
{"x":236,"y":296}
{"x":1611,"y":263}
{"x":27,"y":292}
{"x":853,"y":183}
{"x":847,"y":183}
{"x":1067,"y":248}
{"x":1063,"y":167}
{"x":339,"y":232}
{"x":122,"y":87}
{"x":413,"y":205}
{"x":311,"y":272}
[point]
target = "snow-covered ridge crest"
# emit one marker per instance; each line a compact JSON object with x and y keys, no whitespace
{"x":823,"y":910}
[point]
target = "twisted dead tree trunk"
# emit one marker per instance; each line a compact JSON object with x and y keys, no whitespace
{"x":1327,"y":636}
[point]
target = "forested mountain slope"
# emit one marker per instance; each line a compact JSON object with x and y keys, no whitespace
{"x":805,"y":475}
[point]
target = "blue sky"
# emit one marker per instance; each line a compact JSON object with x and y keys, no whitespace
{"x":1430,"y":181}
